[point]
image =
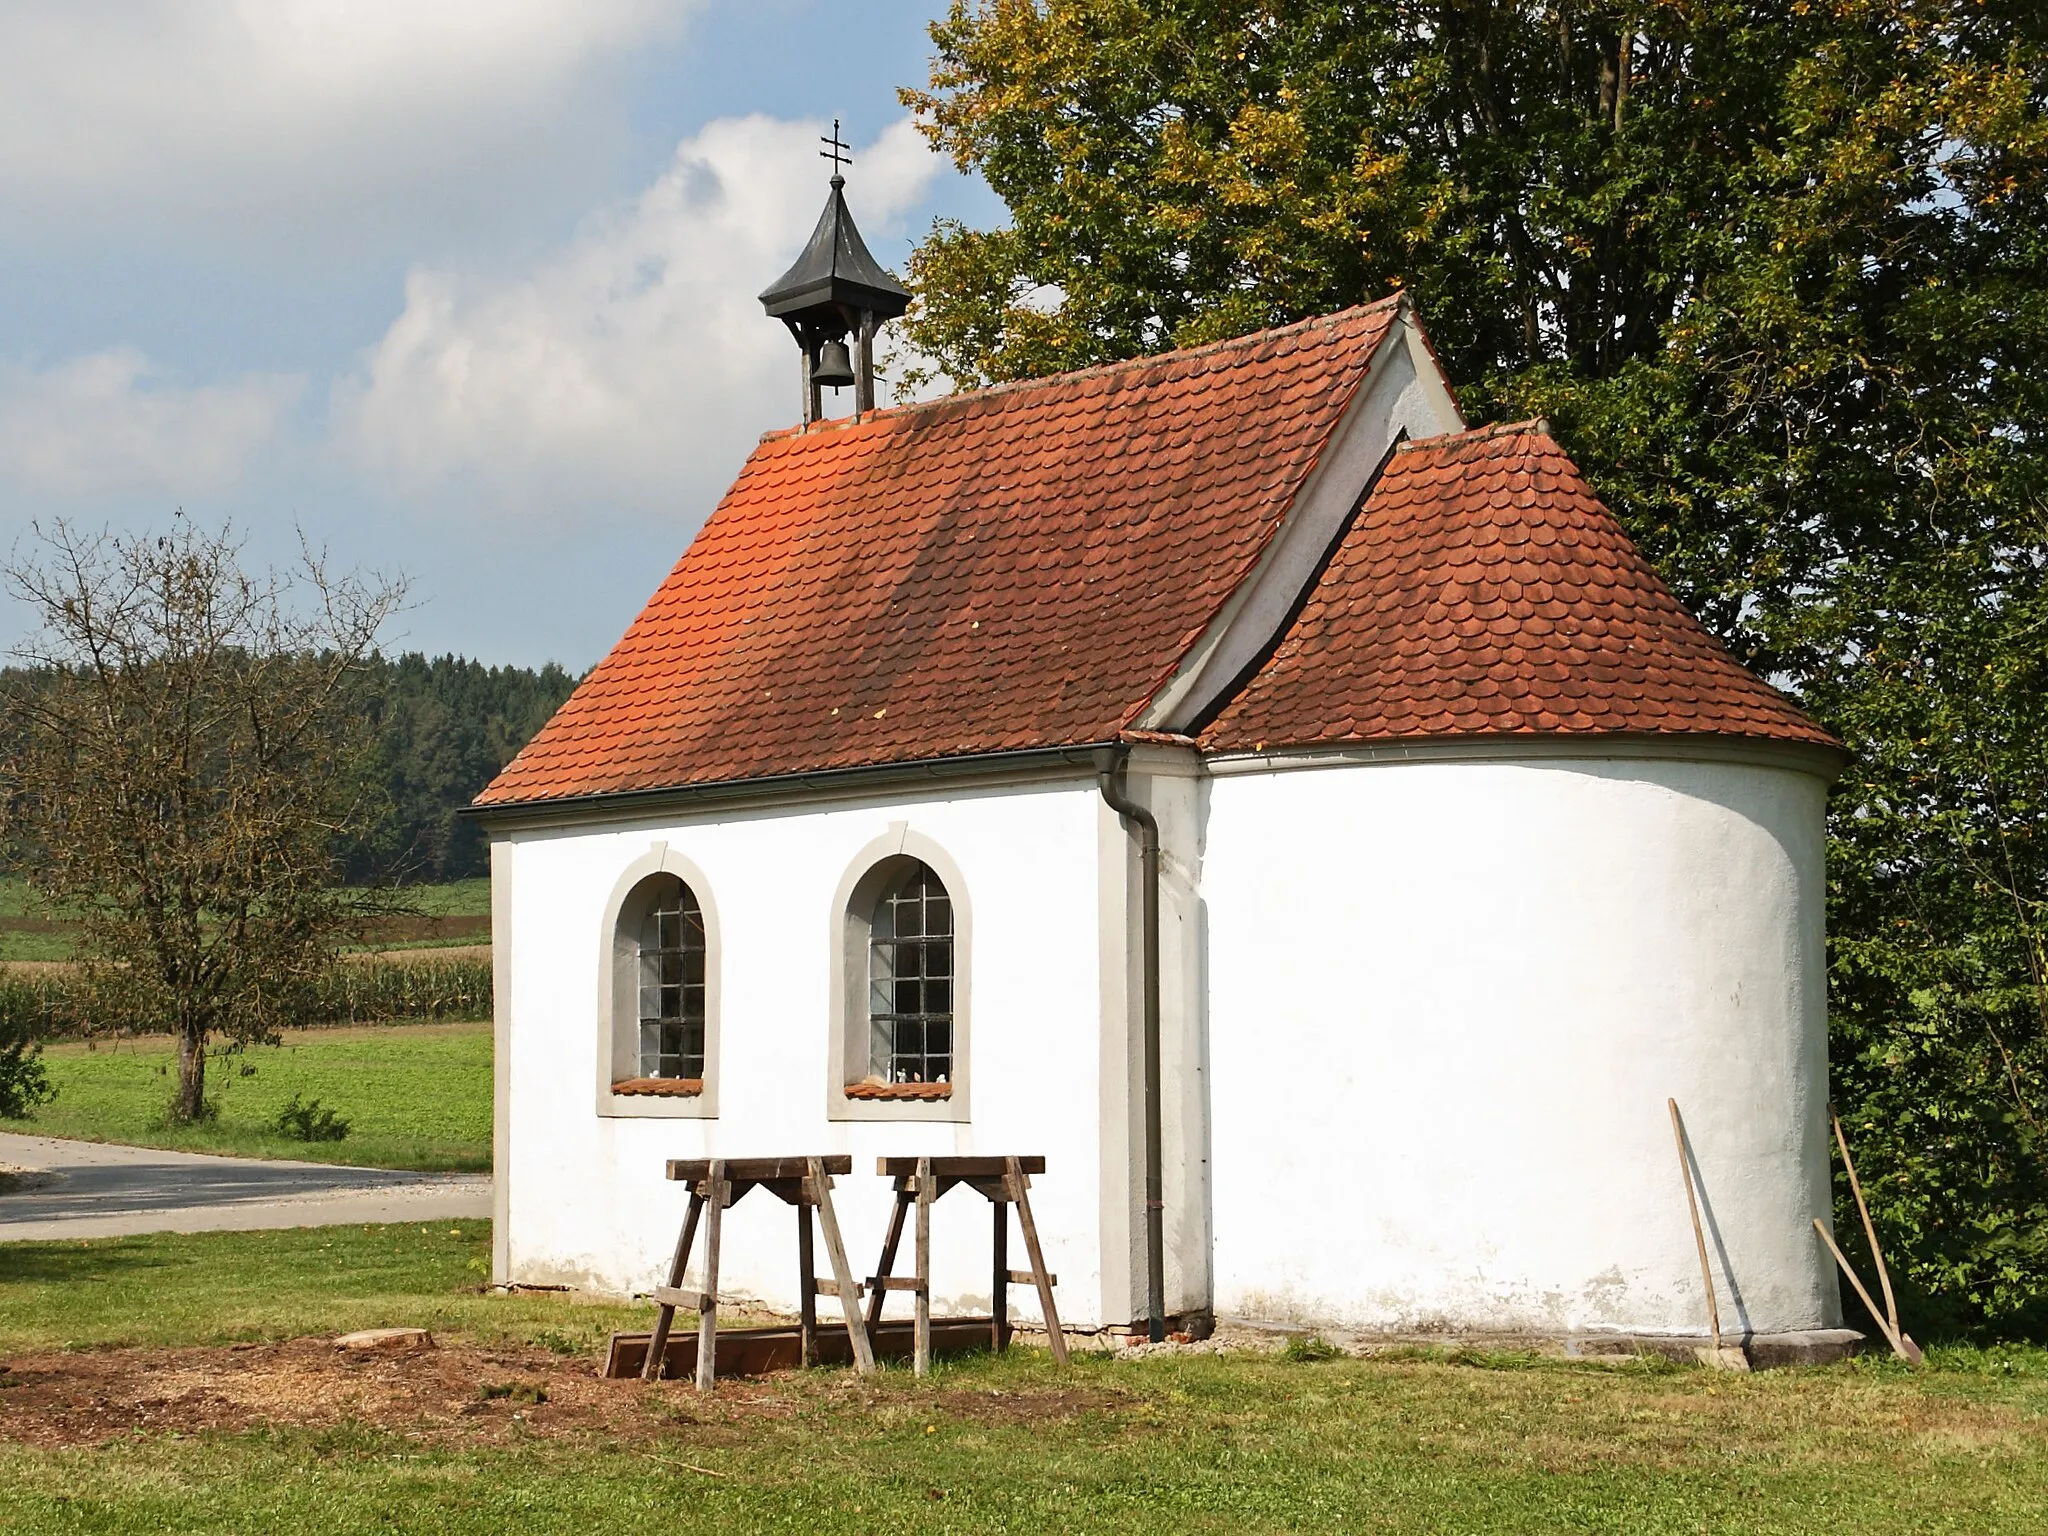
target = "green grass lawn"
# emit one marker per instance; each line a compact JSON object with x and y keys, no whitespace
{"x":1171,"y":1444}
{"x":233,"y":1287}
{"x":416,"y":1096}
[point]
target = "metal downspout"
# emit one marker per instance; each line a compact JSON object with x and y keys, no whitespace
{"x":1109,"y":767}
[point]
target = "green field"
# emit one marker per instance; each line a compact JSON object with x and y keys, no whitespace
{"x":105,"y":1427}
{"x":416,"y":1096}
{"x":232,"y":1287}
{"x":30,"y":932}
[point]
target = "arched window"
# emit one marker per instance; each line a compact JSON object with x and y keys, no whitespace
{"x":910,"y":980}
{"x":671,"y":975}
{"x":657,"y":1047}
{"x":902,"y":960}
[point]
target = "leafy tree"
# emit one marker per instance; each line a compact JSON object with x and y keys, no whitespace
{"x":1777,"y":270}
{"x":188,"y":746}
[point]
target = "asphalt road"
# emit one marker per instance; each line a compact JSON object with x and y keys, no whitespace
{"x":74,"y":1189}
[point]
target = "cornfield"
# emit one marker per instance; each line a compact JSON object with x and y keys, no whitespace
{"x":49,"y":1005}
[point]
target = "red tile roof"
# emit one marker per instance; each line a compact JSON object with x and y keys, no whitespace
{"x":1020,"y":567}
{"x":1484,"y":590}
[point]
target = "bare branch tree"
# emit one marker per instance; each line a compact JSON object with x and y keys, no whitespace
{"x":189,"y":750}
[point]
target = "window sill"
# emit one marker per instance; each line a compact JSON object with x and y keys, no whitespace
{"x":916,"y":1093}
{"x":659,"y":1087}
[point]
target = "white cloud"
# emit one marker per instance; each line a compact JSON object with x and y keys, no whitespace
{"x":108,"y":425}
{"x":632,"y":369}
{"x":275,"y":109}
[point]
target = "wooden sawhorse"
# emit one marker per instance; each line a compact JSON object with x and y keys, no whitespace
{"x":1004,"y":1180}
{"x":715,"y":1183}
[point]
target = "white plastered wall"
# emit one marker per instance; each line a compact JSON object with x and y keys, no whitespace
{"x":1448,"y":1001}
{"x":585,"y":1201}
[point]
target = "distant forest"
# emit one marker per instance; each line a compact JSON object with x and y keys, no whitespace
{"x":447,"y":725}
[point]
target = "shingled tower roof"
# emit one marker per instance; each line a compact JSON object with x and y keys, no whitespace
{"x":836,"y":267}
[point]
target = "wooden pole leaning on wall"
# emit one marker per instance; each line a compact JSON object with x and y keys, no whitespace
{"x":1887,"y":1320}
{"x":1723,"y":1357}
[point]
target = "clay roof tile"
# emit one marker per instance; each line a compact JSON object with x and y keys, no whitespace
{"x":1095,"y":522}
{"x":1596,"y":642}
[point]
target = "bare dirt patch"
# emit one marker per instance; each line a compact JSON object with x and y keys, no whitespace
{"x":458,"y":1391}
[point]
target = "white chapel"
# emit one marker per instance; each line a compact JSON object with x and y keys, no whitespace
{"x":1231,"y":734}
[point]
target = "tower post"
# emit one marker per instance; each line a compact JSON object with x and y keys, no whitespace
{"x":836,"y":289}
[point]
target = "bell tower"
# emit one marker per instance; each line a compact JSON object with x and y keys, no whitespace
{"x":835,"y":290}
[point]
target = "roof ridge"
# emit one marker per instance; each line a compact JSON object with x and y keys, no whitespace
{"x":1393,"y":300}
{"x":1533,"y":425}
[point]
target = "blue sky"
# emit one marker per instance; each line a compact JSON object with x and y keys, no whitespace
{"x":463,"y":289}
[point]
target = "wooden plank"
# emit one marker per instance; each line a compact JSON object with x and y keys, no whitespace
{"x":956,"y":1167}
{"x":755,"y":1351}
{"x":925,"y":1196}
{"x":828,"y":1287}
{"x":879,"y":1294}
{"x":895,"y":1283}
{"x":674,"y":1296}
{"x":754,"y":1170}
{"x":1025,"y":1277}
{"x":999,"y":1289}
{"x":707,"y":1310}
{"x":664,"y":1317}
{"x":1042,"y":1276}
{"x":806,"y":1286}
{"x":835,"y":1250}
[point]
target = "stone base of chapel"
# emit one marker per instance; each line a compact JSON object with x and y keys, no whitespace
{"x":1766,"y":1351}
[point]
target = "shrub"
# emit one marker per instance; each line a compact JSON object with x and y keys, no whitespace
{"x":310,"y":1120}
{"x":23,"y":1082}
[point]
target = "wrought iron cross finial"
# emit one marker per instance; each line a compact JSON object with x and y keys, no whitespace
{"x":837,"y":154}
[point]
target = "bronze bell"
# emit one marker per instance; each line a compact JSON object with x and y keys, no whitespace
{"x":834,"y":369}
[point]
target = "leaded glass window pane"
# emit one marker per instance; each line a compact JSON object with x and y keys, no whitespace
{"x":910,"y":981}
{"x":672,"y":984}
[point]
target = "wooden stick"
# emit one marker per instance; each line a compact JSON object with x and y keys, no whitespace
{"x":922,"y":1329}
{"x":1884,"y":1275}
{"x":1018,"y":1186}
{"x":707,"y":1305}
{"x":999,"y":1283}
{"x":1699,"y":1235}
{"x":664,"y":1316}
{"x":1892,"y":1336}
{"x":889,"y":1243}
{"x":807,"y":1287}
{"x":835,"y":1250}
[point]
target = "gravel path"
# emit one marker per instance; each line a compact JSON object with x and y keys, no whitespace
{"x":74,"y":1189}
